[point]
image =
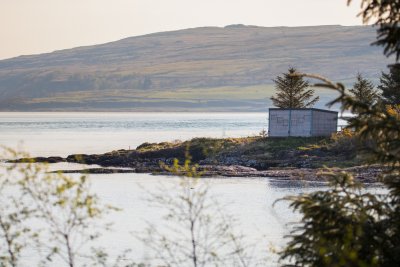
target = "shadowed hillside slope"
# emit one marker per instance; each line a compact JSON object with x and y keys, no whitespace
{"x":202,"y":68}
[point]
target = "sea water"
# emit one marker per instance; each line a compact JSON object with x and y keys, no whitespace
{"x":252,"y":201}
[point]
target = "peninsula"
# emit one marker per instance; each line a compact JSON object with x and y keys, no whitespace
{"x":293,"y":158}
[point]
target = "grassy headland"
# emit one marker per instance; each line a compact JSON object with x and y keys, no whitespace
{"x":264,"y":153}
{"x":288,"y":158}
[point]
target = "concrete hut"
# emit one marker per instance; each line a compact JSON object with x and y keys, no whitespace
{"x":302,"y":122}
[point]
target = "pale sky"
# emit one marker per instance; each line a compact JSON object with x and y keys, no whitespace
{"x":39,"y":26}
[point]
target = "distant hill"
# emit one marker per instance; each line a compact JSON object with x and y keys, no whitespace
{"x":207,"y":68}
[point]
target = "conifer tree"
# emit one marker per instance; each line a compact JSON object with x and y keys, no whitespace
{"x":292,"y":92}
{"x":363,"y":91}
{"x":390,"y":86}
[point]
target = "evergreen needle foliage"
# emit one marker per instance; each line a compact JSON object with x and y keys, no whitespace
{"x":339,"y":226}
{"x":346,"y":226}
{"x":363,"y":90}
{"x":390,"y":86}
{"x":292,"y":91}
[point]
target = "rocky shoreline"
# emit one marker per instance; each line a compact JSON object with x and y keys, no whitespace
{"x":282,"y":159}
{"x":364,"y":174}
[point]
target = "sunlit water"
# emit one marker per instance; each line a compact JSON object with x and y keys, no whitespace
{"x":49,"y":134}
{"x":45,"y":134}
{"x":250,"y":200}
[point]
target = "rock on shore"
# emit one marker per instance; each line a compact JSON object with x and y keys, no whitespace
{"x":283,"y":158}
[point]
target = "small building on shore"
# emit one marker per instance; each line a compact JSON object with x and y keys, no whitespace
{"x":304,"y":122}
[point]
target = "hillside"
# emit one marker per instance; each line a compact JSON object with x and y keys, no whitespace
{"x":208,"y":68}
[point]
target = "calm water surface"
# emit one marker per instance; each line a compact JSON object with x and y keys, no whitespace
{"x":45,"y":134}
{"x":249,"y":200}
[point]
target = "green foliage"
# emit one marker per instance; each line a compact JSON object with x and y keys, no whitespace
{"x":390,"y":86}
{"x":157,"y":146}
{"x":195,"y":231}
{"x":185,"y":170}
{"x":68,"y":211}
{"x":262,"y":152}
{"x":101,"y":258}
{"x":292,"y":92}
{"x":363,"y":90}
{"x":345,"y":226}
{"x":274,"y":146}
{"x":345,"y":141}
{"x":377,"y":126}
{"x":200,"y":148}
{"x":15,"y":233}
{"x":339,"y":227}
{"x":64,"y":212}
